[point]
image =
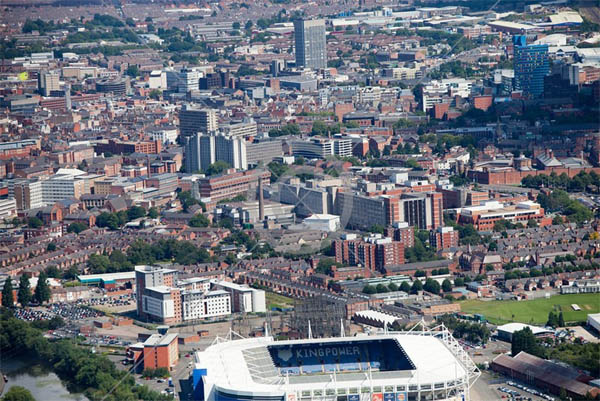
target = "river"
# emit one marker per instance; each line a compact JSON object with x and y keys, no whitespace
{"x":43,"y":384}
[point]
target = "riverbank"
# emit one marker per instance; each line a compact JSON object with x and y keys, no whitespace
{"x":39,"y":380}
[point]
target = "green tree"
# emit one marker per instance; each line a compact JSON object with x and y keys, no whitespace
{"x":432,"y":286}
{"x":8,"y":299}
{"x":34,"y":222}
{"x":561,"y":320}
{"x":24,"y":293}
{"x":135,"y":212}
{"x":405,"y":287}
{"x":132,"y":70}
{"x":217,"y":167}
{"x":459,"y":281}
{"x":18,"y":393}
{"x":377,"y":229}
{"x":552,"y":319}
{"x":446,"y":285}
{"x":393,"y":287}
{"x":152,"y":213}
{"x":199,"y":220}
{"x":416,"y":287}
{"x":524,"y":340}
{"x":76,"y":227}
{"x":369,"y":289}
{"x":51,"y":247}
{"x":108,"y":220}
{"x":381,"y":288}
{"x":42,"y":290}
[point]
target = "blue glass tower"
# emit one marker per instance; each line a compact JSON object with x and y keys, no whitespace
{"x":531,"y":65}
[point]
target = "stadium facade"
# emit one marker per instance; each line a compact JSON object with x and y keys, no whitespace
{"x":395,"y":366}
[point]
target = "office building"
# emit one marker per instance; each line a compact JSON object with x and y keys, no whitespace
{"x":48,"y":83}
{"x":28,"y":194}
{"x":193,"y":120}
{"x":484,"y":216}
{"x":531,"y":65}
{"x":311,"y":46}
{"x":422,"y":210}
{"x":118,"y":87}
{"x":8,"y":208}
{"x":60,"y":187}
{"x":242,"y":129}
{"x":201,"y":151}
{"x":264,"y":150}
{"x":227,"y":186}
{"x":188,"y":80}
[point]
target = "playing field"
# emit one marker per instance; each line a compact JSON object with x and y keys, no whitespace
{"x":534,"y":311}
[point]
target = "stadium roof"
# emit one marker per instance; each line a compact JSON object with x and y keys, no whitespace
{"x":245,"y":367}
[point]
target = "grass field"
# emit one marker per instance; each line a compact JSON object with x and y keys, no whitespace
{"x":534,"y":311}
{"x":278,"y":301}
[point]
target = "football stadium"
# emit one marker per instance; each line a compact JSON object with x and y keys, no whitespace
{"x":395,"y":366}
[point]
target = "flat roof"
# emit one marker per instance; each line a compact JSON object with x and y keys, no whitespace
{"x":512,"y":327}
{"x":107,"y":277}
{"x":157,"y":340}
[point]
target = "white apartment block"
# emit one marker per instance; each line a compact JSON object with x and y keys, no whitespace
{"x":244,"y":298}
{"x":198,"y":304}
{"x":157,"y":302}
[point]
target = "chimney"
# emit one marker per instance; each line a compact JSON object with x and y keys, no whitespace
{"x":261,"y":200}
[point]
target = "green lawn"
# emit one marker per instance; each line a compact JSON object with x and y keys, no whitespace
{"x":277,"y":300}
{"x":534,"y":311}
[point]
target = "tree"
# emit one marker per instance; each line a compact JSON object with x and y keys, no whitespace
{"x":524,"y":340}
{"x":561,"y":320}
{"x":405,"y":287}
{"x":34,"y":222}
{"x":51,"y":247}
{"x":420,"y":273}
{"x":552,"y":319}
{"x":42,"y":290}
{"x":381,"y":288}
{"x":416,"y":287}
{"x":199,"y":220}
{"x":152,"y":213}
{"x":432,"y":286}
{"x":393,"y":287}
{"x":236,"y":26}
{"x":217,"y":167}
{"x":369,"y":289}
{"x":377,"y":229}
{"x":135,"y":212}
{"x":446,"y":285}
{"x":76,"y":227}
{"x":531,"y":223}
{"x":325,"y":264}
{"x":18,"y":393}
{"x":24,"y":293}
{"x":132,"y":70}
{"x":108,"y":220}
{"x":155,"y":94}
{"x":8,"y":300}
{"x":459,"y":281}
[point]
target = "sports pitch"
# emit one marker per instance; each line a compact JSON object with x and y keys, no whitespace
{"x":534,"y":311}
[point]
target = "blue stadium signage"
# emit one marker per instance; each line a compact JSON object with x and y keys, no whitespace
{"x":327,"y":351}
